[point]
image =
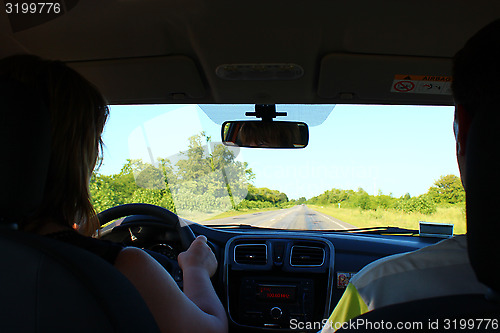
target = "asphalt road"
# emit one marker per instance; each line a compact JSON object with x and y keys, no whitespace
{"x":297,"y":217}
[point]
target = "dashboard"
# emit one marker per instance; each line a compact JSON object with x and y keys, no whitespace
{"x":271,"y":280}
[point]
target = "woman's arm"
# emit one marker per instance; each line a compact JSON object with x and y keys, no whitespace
{"x":197,"y":309}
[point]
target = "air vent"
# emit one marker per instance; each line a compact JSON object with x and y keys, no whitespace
{"x":307,"y":256}
{"x":250,"y":254}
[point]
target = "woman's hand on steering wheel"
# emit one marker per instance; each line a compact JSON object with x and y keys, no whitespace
{"x":198,"y":256}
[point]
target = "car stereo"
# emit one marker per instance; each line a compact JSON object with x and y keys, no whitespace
{"x":274,"y":303}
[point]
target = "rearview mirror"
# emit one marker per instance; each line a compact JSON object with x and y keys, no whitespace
{"x":265,"y":134}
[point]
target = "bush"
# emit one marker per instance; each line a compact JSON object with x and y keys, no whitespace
{"x":421,"y":204}
{"x":251,"y":204}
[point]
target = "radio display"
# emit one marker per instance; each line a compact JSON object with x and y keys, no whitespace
{"x":283,"y":293}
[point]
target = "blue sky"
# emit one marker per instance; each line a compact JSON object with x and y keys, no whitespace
{"x":393,"y":149}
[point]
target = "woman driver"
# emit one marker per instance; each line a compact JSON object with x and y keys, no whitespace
{"x":78,"y":114}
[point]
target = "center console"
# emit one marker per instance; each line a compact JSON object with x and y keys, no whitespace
{"x":278,"y":284}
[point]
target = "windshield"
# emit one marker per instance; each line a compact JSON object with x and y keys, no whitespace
{"x":364,"y":166}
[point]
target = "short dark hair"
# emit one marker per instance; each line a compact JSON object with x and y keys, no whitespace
{"x":476,"y":71}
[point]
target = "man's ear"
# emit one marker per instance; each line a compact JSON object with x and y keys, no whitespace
{"x":461,"y":127}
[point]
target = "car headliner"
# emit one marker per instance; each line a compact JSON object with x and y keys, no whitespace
{"x":168,"y":51}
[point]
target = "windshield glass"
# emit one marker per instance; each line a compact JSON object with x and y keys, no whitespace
{"x":364,"y":166}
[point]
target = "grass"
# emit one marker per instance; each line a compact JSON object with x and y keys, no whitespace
{"x":370,"y":218}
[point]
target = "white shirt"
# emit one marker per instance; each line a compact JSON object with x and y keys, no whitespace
{"x":437,"y":270}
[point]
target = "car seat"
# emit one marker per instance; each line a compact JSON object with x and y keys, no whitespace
{"x":47,"y":285}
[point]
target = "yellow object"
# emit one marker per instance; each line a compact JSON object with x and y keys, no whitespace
{"x":350,"y":306}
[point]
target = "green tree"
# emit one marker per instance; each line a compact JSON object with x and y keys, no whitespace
{"x":334,"y":196}
{"x":154,"y":197}
{"x":150,"y":177}
{"x":102,"y":192}
{"x":196,"y":163}
{"x":300,"y":200}
{"x":207,"y":175}
{"x":264,"y":194}
{"x":385,"y":201}
{"x":337,"y":196}
{"x":109,"y":191}
{"x":447,"y":190}
{"x":363,"y":200}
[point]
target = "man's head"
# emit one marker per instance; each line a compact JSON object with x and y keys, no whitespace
{"x":476,"y":90}
{"x":476,"y":86}
{"x":475,"y":70}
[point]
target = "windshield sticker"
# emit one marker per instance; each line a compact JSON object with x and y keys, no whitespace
{"x":422,"y":84}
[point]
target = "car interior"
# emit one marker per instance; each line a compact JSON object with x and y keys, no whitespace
{"x":282,"y":65}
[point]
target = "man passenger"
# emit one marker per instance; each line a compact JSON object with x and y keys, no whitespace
{"x":444,"y":268}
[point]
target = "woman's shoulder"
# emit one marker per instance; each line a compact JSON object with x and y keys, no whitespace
{"x":105,"y":249}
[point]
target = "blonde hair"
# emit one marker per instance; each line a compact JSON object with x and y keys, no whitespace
{"x":78,"y":114}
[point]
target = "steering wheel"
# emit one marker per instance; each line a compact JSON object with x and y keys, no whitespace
{"x":163,"y":216}
{"x":185,"y":233}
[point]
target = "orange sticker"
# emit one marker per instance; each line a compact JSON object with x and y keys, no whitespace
{"x":421,"y":84}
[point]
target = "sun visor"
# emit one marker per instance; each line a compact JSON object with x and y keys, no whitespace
{"x":144,"y":80}
{"x":356,"y":78}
